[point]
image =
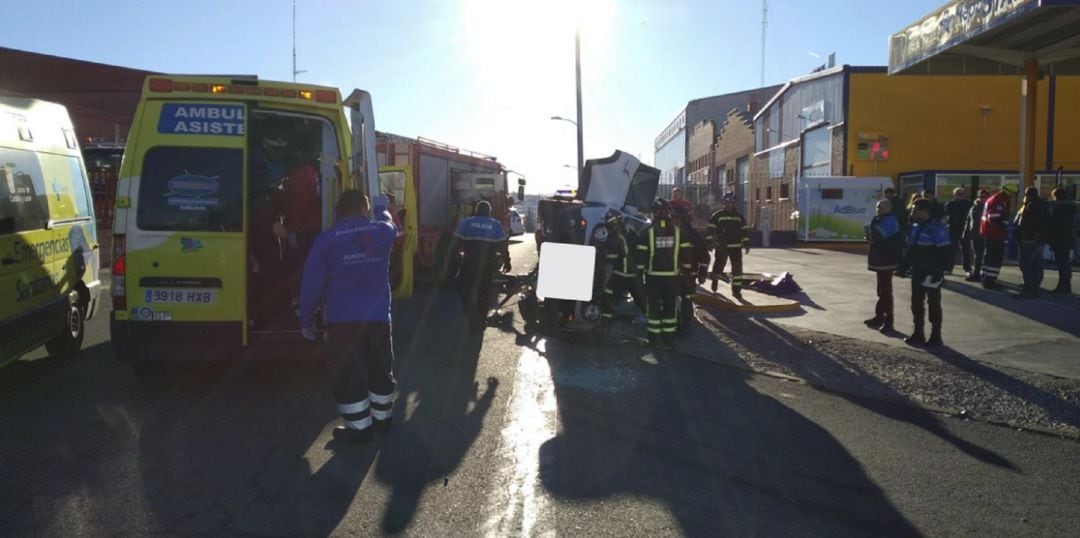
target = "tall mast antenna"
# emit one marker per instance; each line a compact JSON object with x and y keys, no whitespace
{"x":764,"y":26}
{"x":294,"y":71}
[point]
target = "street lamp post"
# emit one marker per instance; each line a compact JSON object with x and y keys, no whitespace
{"x":580,"y":131}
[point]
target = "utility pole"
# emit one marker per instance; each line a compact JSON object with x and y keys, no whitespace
{"x":764,"y":26}
{"x":580,"y":129}
{"x":294,"y":71}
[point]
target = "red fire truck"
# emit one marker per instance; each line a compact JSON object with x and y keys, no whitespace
{"x":446,"y":182}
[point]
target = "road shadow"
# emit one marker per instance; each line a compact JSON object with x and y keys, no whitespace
{"x":440,"y":408}
{"x":229,"y":448}
{"x":725,"y":459}
{"x":844,"y":378}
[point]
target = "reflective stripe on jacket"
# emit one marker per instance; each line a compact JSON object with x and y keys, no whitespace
{"x":728,"y":229}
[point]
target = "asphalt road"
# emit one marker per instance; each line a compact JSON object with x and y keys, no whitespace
{"x":508,"y":435}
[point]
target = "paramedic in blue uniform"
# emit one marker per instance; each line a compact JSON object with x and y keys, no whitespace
{"x":348,"y":273}
{"x":481,"y":238}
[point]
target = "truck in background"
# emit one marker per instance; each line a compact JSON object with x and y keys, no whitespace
{"x":446,"y":183}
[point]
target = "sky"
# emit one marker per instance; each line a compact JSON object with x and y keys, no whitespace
{"x":483,"y":75}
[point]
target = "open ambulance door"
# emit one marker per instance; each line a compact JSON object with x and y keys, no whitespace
{"x":363,"y":159}
{"x":398,"y":180}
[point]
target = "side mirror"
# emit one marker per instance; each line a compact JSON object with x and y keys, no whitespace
{"x":521,"y":192}
{"x":521,"y":181}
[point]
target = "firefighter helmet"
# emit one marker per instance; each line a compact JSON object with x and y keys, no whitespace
{"x":660,"y":204}
{"x":729,"y":197}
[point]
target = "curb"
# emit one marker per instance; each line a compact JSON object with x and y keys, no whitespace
{"x":723,"y":303}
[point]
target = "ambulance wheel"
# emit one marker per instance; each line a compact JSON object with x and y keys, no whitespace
{"x":67,"y":344}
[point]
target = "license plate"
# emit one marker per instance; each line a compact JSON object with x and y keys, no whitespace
{"x":181,"y":296}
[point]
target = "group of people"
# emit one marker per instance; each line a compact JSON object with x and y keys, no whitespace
{"x":662,"y":269}
{"x":922,"y":240}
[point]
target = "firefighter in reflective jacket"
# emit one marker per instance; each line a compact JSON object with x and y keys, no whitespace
{"x":623,"y":276}
{"x":727,"y":234}
{"x":698,"y":269}
{"x":662,"y":257}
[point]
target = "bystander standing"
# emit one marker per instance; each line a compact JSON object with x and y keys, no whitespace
{"x":886,"y":250}
{"x":1063,"y":237}
{"x":973,"y":242}
{"x":1032,"y":224}
{"x":956,"y":211}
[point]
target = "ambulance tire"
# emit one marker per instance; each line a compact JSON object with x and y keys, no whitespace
{"x":67,"y":344}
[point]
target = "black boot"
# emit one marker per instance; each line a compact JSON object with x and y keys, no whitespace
{"x":917,"y":338}
{"x":887,"y":326}
{"x":935,"y":337}
{"x":875,"y":322}
{"x":714,"y":284}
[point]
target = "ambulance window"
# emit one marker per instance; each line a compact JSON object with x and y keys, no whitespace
{"x":191,"y":189}
{"x":65,"y":183}
{"x":23,"y":200}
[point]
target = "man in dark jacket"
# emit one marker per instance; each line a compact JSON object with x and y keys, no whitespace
{"x":973,"y":242}
{"x":1032,"y":223}
{"x":886,"y":248}
{"x":928,"y":249}
{"x":1063,"y":238}
{"x":956,"y":212}
{"x":347,"y":272}
{"x":937,"y":209}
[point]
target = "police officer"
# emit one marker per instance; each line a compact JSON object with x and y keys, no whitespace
{"x":663,"y":255}
{"x":727,"y":233}
{"x":698,"y":268}
{"x":925,"y":263}
{"x":481,"y":238}
{"x":622,"y":276}
{"x":347,"y":272}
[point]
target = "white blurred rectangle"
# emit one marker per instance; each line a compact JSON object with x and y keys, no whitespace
{"x":566,"y":271}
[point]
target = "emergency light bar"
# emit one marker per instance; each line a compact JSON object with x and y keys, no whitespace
{"x":164,"y":85}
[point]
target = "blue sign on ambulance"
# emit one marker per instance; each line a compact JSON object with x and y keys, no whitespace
{"x":201,"y":119}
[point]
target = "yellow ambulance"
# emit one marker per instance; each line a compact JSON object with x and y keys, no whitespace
{"x":224,"y":184}
{"x":49,"y":258}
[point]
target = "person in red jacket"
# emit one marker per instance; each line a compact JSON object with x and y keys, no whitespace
{"x":995,"y":230}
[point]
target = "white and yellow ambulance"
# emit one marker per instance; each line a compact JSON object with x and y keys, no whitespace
{"x":223,"y":184}
{"x":48,"y":237}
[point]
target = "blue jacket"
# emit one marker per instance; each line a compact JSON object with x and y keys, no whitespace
{"x":348,"y":271}
{"x":481,"y":238}
{"x":928,"y":248}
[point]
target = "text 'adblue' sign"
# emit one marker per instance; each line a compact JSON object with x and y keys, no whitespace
{"x":200,"y":119}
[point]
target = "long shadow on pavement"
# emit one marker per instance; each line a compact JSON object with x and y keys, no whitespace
{"x":1059,"y":312}
{"x":725,"y":459}
{"x":440,"y":409}
{"x":763,"y":337}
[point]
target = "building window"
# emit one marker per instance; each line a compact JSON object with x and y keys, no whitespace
{"x":817,"y":152}
{"x":776,"y":163}
{"x":784,"y":191}
{"x":757,"y":194}
{"x":768,"y":194}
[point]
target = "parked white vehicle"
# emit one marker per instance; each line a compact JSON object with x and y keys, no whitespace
{"x":517,"y":225}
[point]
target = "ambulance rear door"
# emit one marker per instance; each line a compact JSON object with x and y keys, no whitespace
{"x":186,"y":251}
